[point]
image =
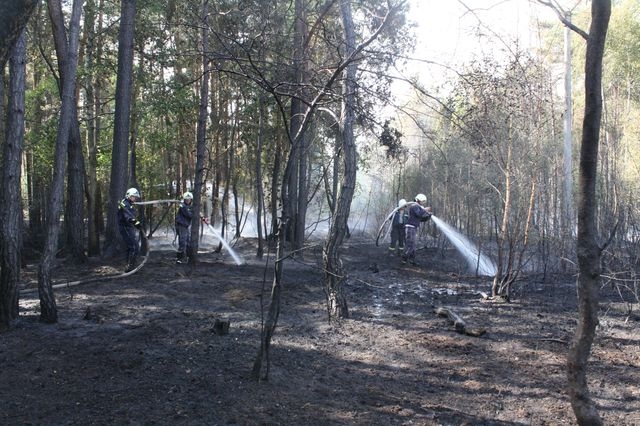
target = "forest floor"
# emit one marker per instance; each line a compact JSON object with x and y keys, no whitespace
{"x":143,"y":349}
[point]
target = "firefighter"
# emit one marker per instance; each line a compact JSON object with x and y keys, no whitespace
{"x":128,"y":224}
{"x":417,"y":213}
{"x":183,"y":226}
{"x":397,"y":227}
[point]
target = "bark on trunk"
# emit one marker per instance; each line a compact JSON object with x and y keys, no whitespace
{"x":14,"y":15}
{"x":122,"y":120}
{"x":588,"y":251}
{"x":201,"y":133}
{"x":48,"y":309}
{"x":75,"y":186}
{"x":92,"y":118}
{"x":334,"y":276}
{"x":258,"y":171}
{"x":10,"y":197}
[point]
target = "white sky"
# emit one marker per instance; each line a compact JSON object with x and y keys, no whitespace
{"x":446,"y":27}
{"x":448,"y":31}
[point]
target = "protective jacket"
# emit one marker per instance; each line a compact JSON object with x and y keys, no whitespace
{"x":416,"y":215}
{"x":127,"y":215}
{"x":185,"y":213}
{"x":399,"y":218}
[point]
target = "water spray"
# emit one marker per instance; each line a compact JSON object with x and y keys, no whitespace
{"x":475,"y":259}
{"x":468,"y":250}
{"x":226,"y":245}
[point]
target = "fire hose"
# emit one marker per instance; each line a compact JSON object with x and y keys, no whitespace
{"x":144,"y":244}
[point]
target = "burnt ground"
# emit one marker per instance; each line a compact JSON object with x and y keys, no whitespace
{"x":143,"y":349}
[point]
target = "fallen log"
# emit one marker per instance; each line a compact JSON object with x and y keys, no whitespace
{"x":458,"y":323}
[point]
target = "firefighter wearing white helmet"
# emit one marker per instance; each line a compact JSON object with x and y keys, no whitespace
{"x":128,"y":224}
{"x":418,"y":213}
{"x":132,"y":192}
{"x":183,"y":226}
{"x":397,"y":227}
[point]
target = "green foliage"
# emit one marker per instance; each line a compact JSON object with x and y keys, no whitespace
{"x":42,"y":112}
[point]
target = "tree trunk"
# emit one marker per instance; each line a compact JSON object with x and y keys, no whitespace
{"x":3,"y":84}
{"x":261,"y":363}
{"x":334,"y":276}
{"x":14,"y":15}
{"x":48,"y":309}
{"x":260,"y":369}
{"x":502,"y":270}
{"x":201,"y":133}
{"x":231,"y":174}
{"x":258,"y":171}
{"x":275,"y":178}
{"x":10,"y":197}
{"x":92,"y":117}
{"x":297,"y":128}
{"x":122,"y":120}
{"x":588,"y":251}
{"x":74,"y":217}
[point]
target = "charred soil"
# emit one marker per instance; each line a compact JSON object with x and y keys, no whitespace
{"x":146,"y":348}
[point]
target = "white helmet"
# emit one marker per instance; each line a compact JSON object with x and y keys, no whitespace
{"x":187,"y":196}
{"x":402,"y":203}
{"x":132,"y":192}
{"x":421,"y":198}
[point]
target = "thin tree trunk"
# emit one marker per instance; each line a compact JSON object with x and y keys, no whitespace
{"x":231,"y":174}
{"x":258,"y":165}
{"x":75,"y":186}
{"x":588,"y":250}
{"x":334,"y":276}
{"x":48,"y":309}
{"x":92,"y":113}
{"x":260,"y":369}
{"x":36,"y":187}
{"x":502,"y":270}
{"x":11,"y":166}
{"x":201,"y":133}
{"x":261,"y":363}
{"x":275,"y":178}
{"x":297,"y":129}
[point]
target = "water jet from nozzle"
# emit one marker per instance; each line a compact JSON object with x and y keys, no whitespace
{"x":475,"y":259}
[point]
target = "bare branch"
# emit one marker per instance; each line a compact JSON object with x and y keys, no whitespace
{"x":562,"y":15}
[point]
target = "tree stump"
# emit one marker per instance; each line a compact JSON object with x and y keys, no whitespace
{"x":221,"y":327}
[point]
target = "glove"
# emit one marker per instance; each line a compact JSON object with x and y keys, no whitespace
{"x":205,"y":219}
{"x":137,"y":224}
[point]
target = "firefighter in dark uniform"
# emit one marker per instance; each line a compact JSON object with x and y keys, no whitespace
{"x":183,"y":226}
{"x":129,"y":224}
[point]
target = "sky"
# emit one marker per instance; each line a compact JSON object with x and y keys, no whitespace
{"x":447,"y":29}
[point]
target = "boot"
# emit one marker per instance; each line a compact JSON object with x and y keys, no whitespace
{"x":131,"y":264}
